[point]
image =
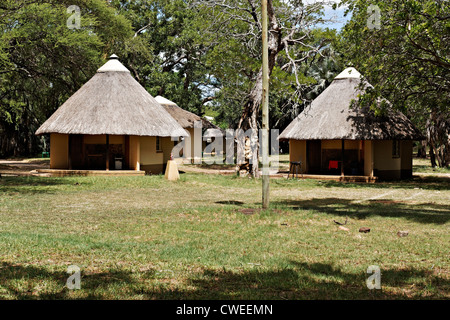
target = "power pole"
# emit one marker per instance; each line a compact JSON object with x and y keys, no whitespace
{"x":265,"y":108}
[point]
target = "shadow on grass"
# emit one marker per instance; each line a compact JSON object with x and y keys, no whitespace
{"x":428,"y":169}
{"x":24,"y":282}
{"x":423,"y":213}
{"x":30,"y":185}
{"x":230,"y":202}
{"x":298,"y":280}
{"x":427,"y":183}
{"x":315,"y":281}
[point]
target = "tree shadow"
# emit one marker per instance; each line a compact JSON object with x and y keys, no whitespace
{"x":230,"y":202}
{"x":296,"y":280}
{"x":96,"y":285}
{"x":301,"y":280}
{"x":422,"y":182}
{"x":30,"y":185}
{"x":423,"y":213}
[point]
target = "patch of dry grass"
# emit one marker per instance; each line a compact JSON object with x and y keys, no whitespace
{"x":148,"y":238}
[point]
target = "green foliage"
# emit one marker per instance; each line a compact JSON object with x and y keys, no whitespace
{"x":407,"y":61}
{"x":235,"y":60}
{"x":197,"y":56}
{"x":43,"y":62}
{"x":171,"y":55}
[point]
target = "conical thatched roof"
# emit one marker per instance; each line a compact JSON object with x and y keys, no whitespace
{"x":331,"y":117}
{"x":185,"y":118}
{"x":114,"y":103}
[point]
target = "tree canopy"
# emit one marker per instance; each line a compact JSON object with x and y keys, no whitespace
{"x":42,"y":61}
{"x":206,"y":57}
{"x":407,"y":60}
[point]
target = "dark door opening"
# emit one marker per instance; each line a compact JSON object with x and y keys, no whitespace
{"x":76,"y":156}
{"x":313,"y":151}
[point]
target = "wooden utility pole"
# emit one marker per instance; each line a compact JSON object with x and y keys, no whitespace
{"x":265,"y":108}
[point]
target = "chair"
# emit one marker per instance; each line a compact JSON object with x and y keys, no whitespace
{"x":333,"y":164}
{"x":295,"y":165}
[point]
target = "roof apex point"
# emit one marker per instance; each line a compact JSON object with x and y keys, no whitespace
{"x":113,"y":65}
{"x":349,"y":73}
{"x":165,"y":101}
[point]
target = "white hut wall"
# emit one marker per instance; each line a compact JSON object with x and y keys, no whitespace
{"x":134,"y":153}
{"x":368,"y":158}
{"x":167,"y":146}
{"x":387,"y":164}
{"x":59,"y":151}
{"x":297,"y":152}
{"x":151,"y":158}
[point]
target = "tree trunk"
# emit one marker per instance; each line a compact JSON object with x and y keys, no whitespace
{"x":438,"y":139}
{"x":249,"y":118}
{"x":432,"y":157}
{"x":422,"y":149}
{"x":248,"y":121}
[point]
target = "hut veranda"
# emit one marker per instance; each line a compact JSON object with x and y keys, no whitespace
{"x":111,"y":123}
{"x":333,"y":136}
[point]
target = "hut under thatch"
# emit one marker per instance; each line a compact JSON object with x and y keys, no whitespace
{"x":188,"y":120}
{"x":111,"y":123}
{"x":335,"y":136}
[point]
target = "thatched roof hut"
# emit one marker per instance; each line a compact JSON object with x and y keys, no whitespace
{"x":113,"y":103}
{"x":332,"y":116}
{"x":111,"y":123}
{"x":185,"y":118}
{"x":334,"y":135}
{"x":194,"y":144}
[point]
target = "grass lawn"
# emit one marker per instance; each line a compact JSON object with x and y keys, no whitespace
{"x":204,"y":237}
{"x":423,"y":165}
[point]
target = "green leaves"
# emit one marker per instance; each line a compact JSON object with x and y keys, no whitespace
{"x":42,"y":61}
{"x":407,"y":60}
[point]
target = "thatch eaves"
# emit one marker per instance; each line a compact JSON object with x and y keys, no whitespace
{"x":112,"y":102}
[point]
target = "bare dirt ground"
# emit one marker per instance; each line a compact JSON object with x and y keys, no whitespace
{"x":28,"y":166}
{"x":436,"y":174}
{"x":22,"y":167}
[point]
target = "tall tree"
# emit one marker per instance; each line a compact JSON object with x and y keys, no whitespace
{"x":407,"y":60}
{"x":42,"y":61}
{"x":235,"y":25}
{"x":170,"y":60}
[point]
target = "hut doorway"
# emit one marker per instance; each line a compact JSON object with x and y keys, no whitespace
{"x":76,"y":154}
{"x":101,"y":152}
{"x":313,"y":151}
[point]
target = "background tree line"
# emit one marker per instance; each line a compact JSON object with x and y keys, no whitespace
{"x":206,"y":56}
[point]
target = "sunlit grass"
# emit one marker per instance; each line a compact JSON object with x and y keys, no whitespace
{"x":148,"y":238}
{"x":424,"y":166}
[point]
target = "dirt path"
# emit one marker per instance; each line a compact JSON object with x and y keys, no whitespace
{"x":22,"y":167}
{"x":430,"y":174}
{"x":214,"y":169}
{"x":27,"y":167}
{"x":198,"y":169}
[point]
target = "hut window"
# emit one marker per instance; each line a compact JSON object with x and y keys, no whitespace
{"x":158,"y":144}
{"x":395,"y":149}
